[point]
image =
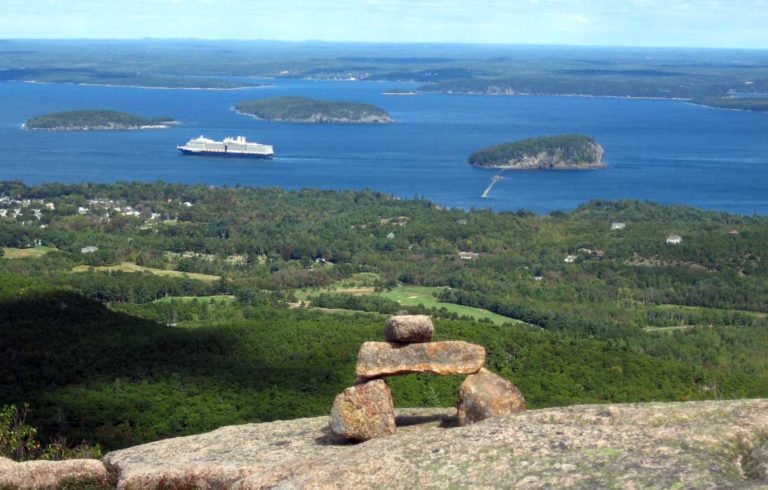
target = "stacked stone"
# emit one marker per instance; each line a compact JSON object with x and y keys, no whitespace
{"x":365,"y":410}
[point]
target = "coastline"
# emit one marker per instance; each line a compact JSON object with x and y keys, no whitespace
{"x":164,"y":125}
{"x":145,"y":87}
{"x":308,"y":121}
{"x":521,"y":94}
{"x":692,"y":102}
{"x":505,"y":168}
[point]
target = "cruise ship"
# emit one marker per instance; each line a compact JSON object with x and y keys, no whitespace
{"x":230,"y":147}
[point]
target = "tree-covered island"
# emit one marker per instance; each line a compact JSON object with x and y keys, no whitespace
{"x":569,"y":151}
{"x":95,"y":120}
{"x":306,"y":110}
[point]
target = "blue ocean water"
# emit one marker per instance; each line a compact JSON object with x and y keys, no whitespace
{"x":659,"y":150}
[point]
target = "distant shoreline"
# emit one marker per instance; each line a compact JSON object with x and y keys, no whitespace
{"x":624,"y":97}
{"x":143,"y":87}
{"x":62,"y":129}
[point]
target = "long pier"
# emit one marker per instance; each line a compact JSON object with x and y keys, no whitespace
{"x":487,"y":191}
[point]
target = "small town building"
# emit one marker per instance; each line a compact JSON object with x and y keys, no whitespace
{"x":570,"y":259}
{"x":618,"y":226}
{"x":468,"y":255}
{"x":674,"y":239}
{"x":89,"y":249}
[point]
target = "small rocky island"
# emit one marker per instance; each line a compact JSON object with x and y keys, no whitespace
{"x":306,"y":110}
{"x":95,"y":120}
{"x":568,"y":151}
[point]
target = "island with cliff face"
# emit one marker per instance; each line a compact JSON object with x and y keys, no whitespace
{"x":95,"y":120}
{"x":306,"y":110}
{"x":569,"y":151}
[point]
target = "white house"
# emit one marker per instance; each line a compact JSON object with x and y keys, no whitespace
{"x":570,"y":259}
{"x":89,"y":249}
{"x":674,"y":239}
{"x":82,"y":211}
{"x":468,"y":255}
{"x":618,"y":226}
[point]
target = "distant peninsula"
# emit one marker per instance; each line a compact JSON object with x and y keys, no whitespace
{"x":569,"y":151}
{"x":736,"y":103}
{"x":306,"y":110}
{"x":399,"y":91}
{"x":95,"y":120}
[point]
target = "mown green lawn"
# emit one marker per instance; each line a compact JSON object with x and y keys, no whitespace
{"x":219,"y":298}
{"x":362,"y":284}
{"x":26,"y":253}
{"x":415,"y":295}
{"x":131,"y":267}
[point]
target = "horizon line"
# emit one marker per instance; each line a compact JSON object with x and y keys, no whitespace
{"x":375,"y":43}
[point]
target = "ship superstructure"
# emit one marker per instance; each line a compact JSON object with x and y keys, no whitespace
{"x":230,"y":147}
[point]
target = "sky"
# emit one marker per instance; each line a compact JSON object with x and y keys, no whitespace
{"x":674,"y":23}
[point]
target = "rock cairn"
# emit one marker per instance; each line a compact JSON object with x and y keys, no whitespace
{"x":365,"y":410}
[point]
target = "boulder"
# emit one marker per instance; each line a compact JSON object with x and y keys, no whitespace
{"x":77,"y":473}
{"x":484,"y":395}
{"x":409,"y":329}
{"x":376,"y":359}
{"x":364,"y":411}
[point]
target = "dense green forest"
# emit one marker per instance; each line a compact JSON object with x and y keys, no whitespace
{"x":307,"y":110}
{"x":93,"y":119}
{"x":482,"y":69}
{"x":250,"y":304}
{"x":567,"y":150}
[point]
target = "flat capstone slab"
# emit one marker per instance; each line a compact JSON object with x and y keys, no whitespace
{"x":377,"y":359}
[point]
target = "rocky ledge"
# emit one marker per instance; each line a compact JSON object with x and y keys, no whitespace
{"x":716,"y":444}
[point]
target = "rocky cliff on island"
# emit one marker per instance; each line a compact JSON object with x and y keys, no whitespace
{"x":306,"y":110}
{"x":562,"y":152}
{"x":95,"y":120}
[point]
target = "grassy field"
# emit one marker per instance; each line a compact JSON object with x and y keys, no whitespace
{"x":405,"y":295}
{"x":220,"y":298}
{"x":703,"y":309}
{"x":131,"y":267}
{"x":415,"y":295}
{"x":26,"y":253}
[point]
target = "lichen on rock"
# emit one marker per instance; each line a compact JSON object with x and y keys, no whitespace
{"x":484,"y":395}
{"x":375,"y":359}
{"x":363,"y":412}
{"x":409,"y":329}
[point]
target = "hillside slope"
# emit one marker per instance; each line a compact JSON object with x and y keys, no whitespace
{"x":718,"y":444}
